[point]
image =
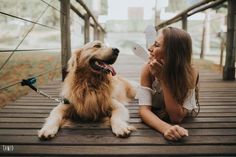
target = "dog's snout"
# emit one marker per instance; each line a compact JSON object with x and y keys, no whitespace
{"x":115,"y":51}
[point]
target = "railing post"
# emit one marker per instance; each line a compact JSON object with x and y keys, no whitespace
{"x":205,"y":44}
{"x":222,"y":48}
{"x":229,"y":68}
{"x":101,"y":35}
{"x":65,"y":36}
{"x":202,"y":54}
{"x":86,"y":28}
{"x":95,"y":32}
{"x":184,"y":22}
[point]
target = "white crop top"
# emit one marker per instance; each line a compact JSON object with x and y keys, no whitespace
{"x":145,"y":95}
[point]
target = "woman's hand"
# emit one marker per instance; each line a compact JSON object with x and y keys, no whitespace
{"x":155,"y":67}
{"x":175,"y":133}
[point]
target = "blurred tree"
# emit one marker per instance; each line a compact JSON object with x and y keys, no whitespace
{"x":104,"y":7}
{"x":222,"y":8}
{"x":180,"y":5}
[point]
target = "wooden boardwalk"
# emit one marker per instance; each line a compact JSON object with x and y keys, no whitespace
{"x":212,"y":133}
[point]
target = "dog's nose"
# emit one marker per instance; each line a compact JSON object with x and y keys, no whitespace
{"x":115,"y":51}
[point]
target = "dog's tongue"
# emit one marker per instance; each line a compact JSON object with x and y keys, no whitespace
{"x":111,"y":69}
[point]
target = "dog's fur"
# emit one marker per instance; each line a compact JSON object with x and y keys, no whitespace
{"x":93,"y":92}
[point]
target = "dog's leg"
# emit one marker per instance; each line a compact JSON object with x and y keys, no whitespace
{"x":119,"y":120}
{"x":53,"y":122}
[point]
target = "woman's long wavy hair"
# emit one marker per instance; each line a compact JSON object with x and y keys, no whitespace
{"x":177,"y":71}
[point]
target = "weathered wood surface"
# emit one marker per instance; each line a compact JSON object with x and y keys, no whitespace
{"x":212,"y":133}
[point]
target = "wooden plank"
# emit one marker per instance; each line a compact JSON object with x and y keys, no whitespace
{"x":202,"y":99}
{"x":38,"y":125}
{"x":25,"y":115}
{"x":31,"y":107}
{"x":135,"y":106}
{"x":107,"y":131}
{"x":23,"y":111}
{"x":111,"y":139}
{"x":133,"y":120}
{"x":192,"y":120}
{"x":132,"y":115}
{"x":213,"y":150}
{"x":50,"y":107}
{"x":38,"y":103}
{"x":200,"y":115}
{"x":213,"y":110}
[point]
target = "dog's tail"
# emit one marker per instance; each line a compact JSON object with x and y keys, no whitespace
{"x":125,"y":90}
{"x":131,"y":89}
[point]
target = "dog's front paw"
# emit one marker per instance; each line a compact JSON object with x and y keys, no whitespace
{"x":47,"y":132}
{"x":122,"y":129}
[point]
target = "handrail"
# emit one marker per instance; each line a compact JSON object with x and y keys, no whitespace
{"x":76,"y":11}
{"x":90,"y":14}
{"x":179,"y":16}
{"x":79,"y":14}
{"x":211,"y":5}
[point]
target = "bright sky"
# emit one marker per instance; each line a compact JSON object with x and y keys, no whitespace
{"x":118,"y":9}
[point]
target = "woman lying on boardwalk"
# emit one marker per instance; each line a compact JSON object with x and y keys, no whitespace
{"x":168,"y":91}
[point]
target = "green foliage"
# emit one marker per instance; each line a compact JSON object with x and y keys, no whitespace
{"x":222,"y":8}
{"x":176,"y":5}
{"x":180,"y":5}
{"x":104,"y":6}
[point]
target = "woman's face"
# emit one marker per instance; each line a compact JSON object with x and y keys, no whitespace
{"x":156,"y":50}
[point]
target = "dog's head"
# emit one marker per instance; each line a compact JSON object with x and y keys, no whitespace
{"x":95,"y":57}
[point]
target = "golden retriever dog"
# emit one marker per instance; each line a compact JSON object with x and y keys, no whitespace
{"x":93,"y":92}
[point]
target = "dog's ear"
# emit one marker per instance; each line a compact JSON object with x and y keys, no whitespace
{"x":72,"y":63}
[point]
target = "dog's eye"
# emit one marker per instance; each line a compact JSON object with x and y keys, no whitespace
{"x":97,"y":46}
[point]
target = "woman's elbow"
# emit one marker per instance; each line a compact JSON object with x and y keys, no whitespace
{"x":176,"y":119}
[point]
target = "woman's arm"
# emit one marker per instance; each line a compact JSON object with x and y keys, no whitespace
{"x":175,"y":111}
{"x":170,"y":132}
{"x":152,"y":120}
